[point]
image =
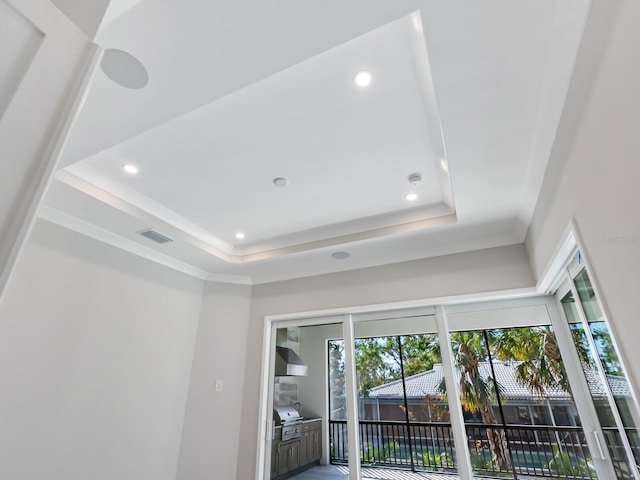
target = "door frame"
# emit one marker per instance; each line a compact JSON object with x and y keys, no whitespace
{"x":58,"y":104}
{"x":542,"y":294}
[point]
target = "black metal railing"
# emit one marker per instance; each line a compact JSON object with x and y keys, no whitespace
{"x":389,"y":444}
{"x":624,"y":470}
{"x":532,"y":450}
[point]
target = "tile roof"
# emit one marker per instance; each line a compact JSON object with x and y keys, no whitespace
{"x":426,"y":384}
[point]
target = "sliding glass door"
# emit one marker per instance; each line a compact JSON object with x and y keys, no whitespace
{"x":514,"y":391}
{"x":403,"y":415}
{"x":403,"y":410}
{"x":517,"y":396}
{"x":525,"y":388}
{"x":607,"y":383}
{"x":519,"y":412}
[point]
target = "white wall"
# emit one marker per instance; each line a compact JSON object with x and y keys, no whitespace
{"x":96,"y":348}
{"x":312,"y":389}
{"x":210,"y":443}
{"x":594,"y":174}
{"x":473,"y":272}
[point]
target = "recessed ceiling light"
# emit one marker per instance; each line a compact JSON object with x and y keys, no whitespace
{"x":443,"y":165}
{"x":280,"y":182}
{"x":239,"y":235}
{"x":340,"y":255}
{"x":130,"y":169}
{"x":412,"y":197}
{"x":362,"y":78}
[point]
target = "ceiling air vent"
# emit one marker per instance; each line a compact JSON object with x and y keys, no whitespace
{"x":155,"y":236}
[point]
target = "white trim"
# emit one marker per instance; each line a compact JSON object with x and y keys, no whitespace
{"x":455,"y":406}
{"x":326,"y":447}
{"x":146,"y":209}
{"x":265,"y":416}
{"x":308,"y":322}
{"x":24,"y":215}
{"x":193,"y":235}
{"x":499,"y":304}
{"x":602,"y":374}
{"x":622,"y":356}
{"x":577,"y":381}
{"x":524,"y":316}
{"x":404,"y":304}
{"x":228,"y":278}
{"x":552,"y":275}
{"x":351,"y":391}
{"x":90,"y":230}
{"x":558,"y":275}
{"x":395,"y":314}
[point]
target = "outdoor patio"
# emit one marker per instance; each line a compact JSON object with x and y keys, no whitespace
{"x":339,"y":472}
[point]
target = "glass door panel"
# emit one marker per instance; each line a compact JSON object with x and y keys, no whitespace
{"x":613,"y":439}
{"x":404,"y":415}
{"x":609,"y":360}
{"x":519,"y":412}
{"x":484,"y":423}
{"x":608,"y":386}
{"x":338,"y":440}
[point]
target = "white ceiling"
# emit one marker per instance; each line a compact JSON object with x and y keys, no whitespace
{"x":468,"y":94}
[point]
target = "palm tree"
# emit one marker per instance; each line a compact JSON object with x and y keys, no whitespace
{"x":536,"y":348}
{"x":540,"y":367}
{"x":477,"y":393}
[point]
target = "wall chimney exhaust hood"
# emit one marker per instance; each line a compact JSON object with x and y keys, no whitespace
{"x":289,"y":364}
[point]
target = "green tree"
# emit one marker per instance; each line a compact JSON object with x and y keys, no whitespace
{"x":375,"y":364}
{"x":536,"y":349}
{"x":477,"y":393}
{"x":539,"y":367}
{"x":336,"y":359}
{"x":419,"y":353}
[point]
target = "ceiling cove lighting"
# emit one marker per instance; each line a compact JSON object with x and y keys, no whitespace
{"x":239,"y":235}
{"x":130,"y":169}
{"x":362,"y":78}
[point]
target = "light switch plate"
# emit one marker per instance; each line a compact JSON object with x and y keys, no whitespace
{"x":218,"y":385}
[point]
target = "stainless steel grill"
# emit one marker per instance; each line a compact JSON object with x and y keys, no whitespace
{"x":290,"y":420}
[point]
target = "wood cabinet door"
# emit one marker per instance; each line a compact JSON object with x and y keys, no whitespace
{"x":294,"y":459}
{"x":283,"y":458}
{"x":315,"y":445}
{"x":304,"y":449}
{"x":288,"y":456}
{"x":274,"y":458}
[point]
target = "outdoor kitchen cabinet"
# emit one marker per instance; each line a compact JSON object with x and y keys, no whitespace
{"x":311,"y":442}
{"x":304,"y":448}
{"x":274,"y":451}
{"x":315,"y":442}
{"x":293,"y":456}
{"x":288,"y":456}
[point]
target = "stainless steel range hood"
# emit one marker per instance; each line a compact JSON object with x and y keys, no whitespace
{"x":288,"y":363}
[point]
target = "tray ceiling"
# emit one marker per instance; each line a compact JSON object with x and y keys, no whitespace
{"x":465,"y":95}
